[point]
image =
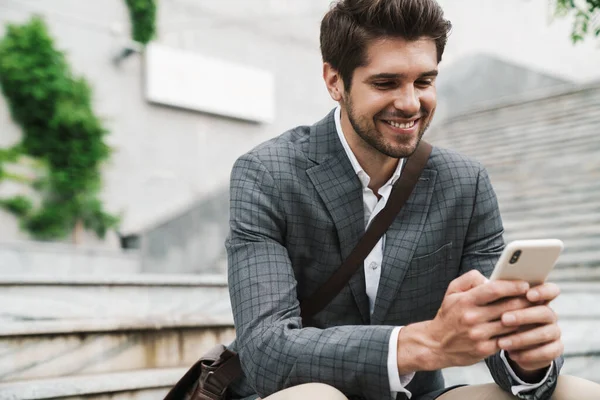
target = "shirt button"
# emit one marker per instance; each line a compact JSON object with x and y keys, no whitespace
{"x":374,"y":265}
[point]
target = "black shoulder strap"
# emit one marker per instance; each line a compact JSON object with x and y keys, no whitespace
{"x":400,"y":193}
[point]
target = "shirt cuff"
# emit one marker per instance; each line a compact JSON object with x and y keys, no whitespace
{"x":397,"y":382}
{"x":521,"y":386}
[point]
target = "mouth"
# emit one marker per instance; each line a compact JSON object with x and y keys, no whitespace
{"x":403,"y":127}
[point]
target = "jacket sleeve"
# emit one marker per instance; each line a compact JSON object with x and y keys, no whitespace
{"x":483,"y":246}
{"x":275,"y":350}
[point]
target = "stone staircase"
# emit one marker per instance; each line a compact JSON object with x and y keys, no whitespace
{"x":542,"y":152}
{"x":543,"y":155}
{"x":72,"y":327}
{"x":117,"y":336}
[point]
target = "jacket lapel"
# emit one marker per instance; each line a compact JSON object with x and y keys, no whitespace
{"x":400,"y":244}
{"x":341,"y":192}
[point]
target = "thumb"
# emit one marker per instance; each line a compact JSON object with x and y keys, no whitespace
{"x":466,"y":282}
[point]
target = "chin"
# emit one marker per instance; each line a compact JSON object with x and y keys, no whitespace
{"x":403,"y":150}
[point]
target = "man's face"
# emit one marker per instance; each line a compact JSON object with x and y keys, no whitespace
{"x":392,"y":98}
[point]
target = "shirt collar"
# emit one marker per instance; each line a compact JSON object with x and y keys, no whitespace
{"x":362,"y":175}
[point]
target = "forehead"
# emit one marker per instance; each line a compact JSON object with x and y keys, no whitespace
{"x":400,"y":56}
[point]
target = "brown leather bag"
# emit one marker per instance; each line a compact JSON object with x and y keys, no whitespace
{"x":210,"y":377}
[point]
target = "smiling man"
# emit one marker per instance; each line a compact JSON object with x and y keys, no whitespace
{"x":421,"y":301}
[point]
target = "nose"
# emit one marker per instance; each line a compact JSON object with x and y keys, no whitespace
{"x":407,"y":101}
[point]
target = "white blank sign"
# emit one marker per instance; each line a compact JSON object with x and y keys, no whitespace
{"x":188,"y":80}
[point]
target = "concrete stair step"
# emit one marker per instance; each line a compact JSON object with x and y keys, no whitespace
{"x":582,"y":243}
{"x":575,"y":275}
{"x":581,"y":258}
{"x":540,"y":200}
{"x":573,"y":295}
{"x":558,"y":220}
{"x":538,"y":111}
{"x":149,"y":384}
{"x":514,"y":162}
{"x":518,"y":197}
{"x":68,"y":325}
{"x":548,"y":171}
{"x":496,"y":119}
{"x":555,"y":100}
{"x":49,"y":349}
{"x":530,"y":149}
{"x":494,"y":140}
{"x":544,"y":172}
{"x":136,"y":296}
{"x":549,"y":211}
{"x":502,"y":134}
{"x":531,"y":115}
{"x":562,"y":233}
{"x":20,"y":258}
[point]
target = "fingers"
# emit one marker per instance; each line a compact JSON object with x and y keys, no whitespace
{"x":496,"y":290}
{"x":543,"y":293}
{"x":542,"y":315}
{"x":530,"y":338}
{"x":466,"y":282}
{"x":485,"y":348}
{"x":490,"y":330}
{"x":537,"y":357}
{"x":495,"y":310}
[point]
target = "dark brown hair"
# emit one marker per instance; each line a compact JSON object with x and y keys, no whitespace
{"x":350,"y":25}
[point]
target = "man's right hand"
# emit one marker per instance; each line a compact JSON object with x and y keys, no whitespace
{"x":465,"y":328}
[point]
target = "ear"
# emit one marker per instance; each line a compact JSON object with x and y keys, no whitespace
{"x":333,"y":81}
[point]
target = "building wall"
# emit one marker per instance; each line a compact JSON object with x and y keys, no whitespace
{"x":166,"y":158}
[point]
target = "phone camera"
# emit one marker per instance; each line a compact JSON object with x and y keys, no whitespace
{"x":515,"y":257}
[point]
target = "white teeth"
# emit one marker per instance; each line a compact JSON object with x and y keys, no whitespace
{"x":402,"y":126}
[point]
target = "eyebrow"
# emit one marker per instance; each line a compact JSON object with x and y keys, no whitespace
{"x":386,"y":75}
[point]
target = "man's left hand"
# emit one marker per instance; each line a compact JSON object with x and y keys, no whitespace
{"x":538,"y":341}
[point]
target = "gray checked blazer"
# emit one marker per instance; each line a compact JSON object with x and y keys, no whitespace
{"x":296,"y":213}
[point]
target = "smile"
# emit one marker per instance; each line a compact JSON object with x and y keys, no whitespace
{"x":407,"y":125}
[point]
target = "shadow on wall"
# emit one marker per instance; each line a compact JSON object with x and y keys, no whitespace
{"x":192,"y":242}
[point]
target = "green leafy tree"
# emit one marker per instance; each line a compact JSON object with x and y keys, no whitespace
{"x":54,"y":110}
{"x":143,"y":19}
{"x":586,"y":14}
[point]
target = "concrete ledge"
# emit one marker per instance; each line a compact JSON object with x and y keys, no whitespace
{"x":63,"y":259}
{"x":122,"y":297}
{"x":37,"y":328}
{"x":63,"y":354}
{"x":162,"y":280}
{"x":91,"y":384}
{"x":55,"y":247}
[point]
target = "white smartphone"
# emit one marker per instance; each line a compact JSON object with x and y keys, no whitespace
{"x":528,"y":260}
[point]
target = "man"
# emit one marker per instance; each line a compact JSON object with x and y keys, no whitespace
{"x":300,"y":202}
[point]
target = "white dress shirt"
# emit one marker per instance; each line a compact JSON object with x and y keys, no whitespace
{"x":372,"y":267}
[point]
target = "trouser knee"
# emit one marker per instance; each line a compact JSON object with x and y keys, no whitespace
{"x":322,"y":391}
{"x":571,"y":387}
{"x":312,"y":391}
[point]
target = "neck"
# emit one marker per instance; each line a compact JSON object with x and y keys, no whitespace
{"x":377,"y":165}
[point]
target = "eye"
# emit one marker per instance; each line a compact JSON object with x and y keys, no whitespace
{"x":424,"y":82}
{"x":383,"y":85}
